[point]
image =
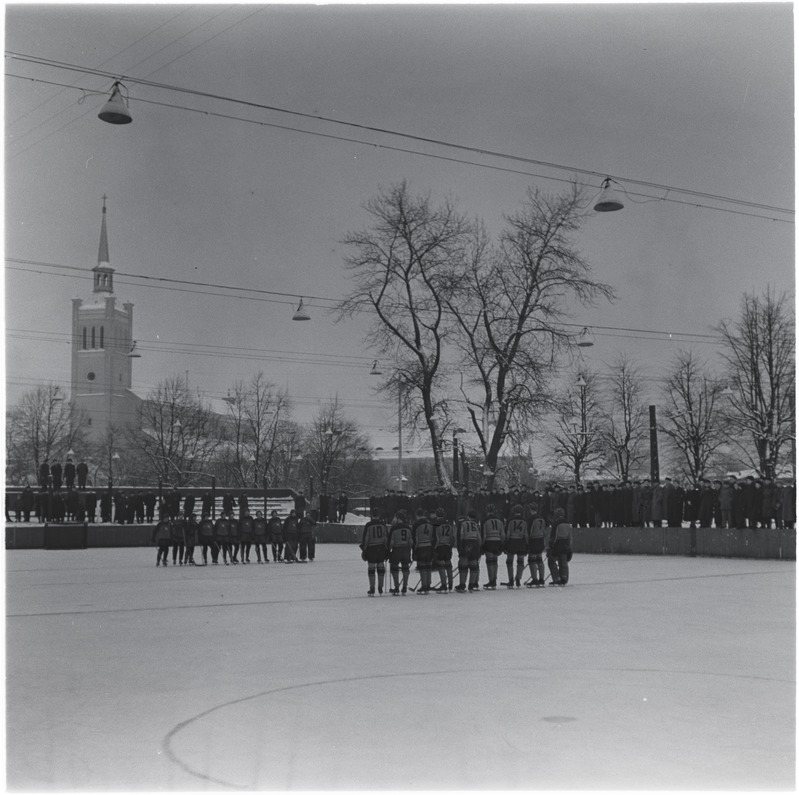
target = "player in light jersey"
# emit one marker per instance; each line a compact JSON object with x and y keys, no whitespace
{"x":470,"y":542}
{"x":443,"y":541}
{"x":493,"y":539}
{"x":536,"y":545}
{"x":375,"y":551}
{"x":516,"y":545}
{"x":400,"y":541}
{"x":423,"y":550}
{"x":559,"y":552}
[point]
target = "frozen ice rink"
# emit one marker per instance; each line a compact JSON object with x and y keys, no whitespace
{"x":646,"y":673}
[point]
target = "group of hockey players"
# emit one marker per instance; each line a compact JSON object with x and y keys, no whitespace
{"x":523,"y":537}
{"x":292,"y":540}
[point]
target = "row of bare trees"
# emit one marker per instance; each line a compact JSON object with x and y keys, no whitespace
{"x":470,"y":327}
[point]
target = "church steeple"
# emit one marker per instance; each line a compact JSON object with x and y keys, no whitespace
{"x":103,"y":272}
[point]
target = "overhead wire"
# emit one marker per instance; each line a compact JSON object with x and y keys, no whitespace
{"x":417,"y":138}
{"x":242,"y":292}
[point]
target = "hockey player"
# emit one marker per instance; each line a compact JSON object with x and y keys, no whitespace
{"x":291,"y":536}
{"x":423,"y":549}
{"x":190,"y":529}
{"x":493,"y":530}
{"x":259,"y":536}
{"x":307,"y":541}
{"x":470,"y":542}
{"x":374,"y":551}
{"x":443,"y":541}
{"x":559,"y":552}
{"x":275,"y":531}
{"x":536,"y":545}
{"x":516,"y":544}
{"x":245,"y":536}
{"x":233,"y":537}
{"x":178,"y":541}
{"x":162,"y":535}
{"x":400,"y":540}
{"x":206,"y":533}
{"x":222,"y":536}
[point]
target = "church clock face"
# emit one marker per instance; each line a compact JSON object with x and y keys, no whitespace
{"x":90,"y":376}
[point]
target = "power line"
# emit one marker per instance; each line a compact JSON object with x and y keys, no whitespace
{"x":670,"y":335}
{"x":51,"y":63}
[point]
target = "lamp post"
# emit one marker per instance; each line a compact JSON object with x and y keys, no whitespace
{"x":654,"y":464}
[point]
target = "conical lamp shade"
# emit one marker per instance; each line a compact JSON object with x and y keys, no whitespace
{"x":115,"y":111}
{"x":609,"y":200}
{"x":301,"y":313}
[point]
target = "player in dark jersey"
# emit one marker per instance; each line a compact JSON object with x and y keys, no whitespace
{"x":516,"y":545}
{"x":275,"y":533}
{"x":423,"y":550}
{"x":207,"y":540}
{"x":374,"y":551}
{"x":443,"y":541}
{"x":259,"y":536}
{"x":470,"y":542}
{"x":493,"y":530}
{"x":536,"y":545}
{"x":559,"y":552}
{"x":162,"y":535}
{"x":400,"y":542}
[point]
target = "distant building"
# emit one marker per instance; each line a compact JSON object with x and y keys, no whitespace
{"x":102,"y":341}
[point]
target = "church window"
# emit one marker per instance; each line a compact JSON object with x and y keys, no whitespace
{"x":93,"y":337}
{"x":84,"y":338}
{"x":102,"y":335}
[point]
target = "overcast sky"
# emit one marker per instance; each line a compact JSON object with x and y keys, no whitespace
{"x":685,"y":96}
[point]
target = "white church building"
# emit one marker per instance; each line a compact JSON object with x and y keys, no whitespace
{"x":103,"y":350}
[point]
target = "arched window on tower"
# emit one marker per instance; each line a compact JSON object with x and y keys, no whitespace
{"x":84,"y":338}
{"x":92,"y":337}
{"x":102,"y":335}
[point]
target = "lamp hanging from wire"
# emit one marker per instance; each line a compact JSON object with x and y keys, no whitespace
{"x":609,"y":200}
{"x":375,"y":369}
{"x":301,"y":313}
{"x":116,"y":110}
{"x":585,"y":339}
{"x":133,"y":353}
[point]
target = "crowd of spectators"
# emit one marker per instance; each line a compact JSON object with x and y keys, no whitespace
{"x":734,"y":503}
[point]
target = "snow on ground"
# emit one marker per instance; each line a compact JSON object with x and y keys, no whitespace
{"x":646,"y":673}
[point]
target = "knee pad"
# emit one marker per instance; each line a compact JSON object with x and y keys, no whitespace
{"x":381,"y":568}
{"x":491,"y":557}
{"x":474,"y":565}
{"x":372,"y":566}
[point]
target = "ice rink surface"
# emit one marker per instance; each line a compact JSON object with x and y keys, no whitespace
{"x":645,"y":673}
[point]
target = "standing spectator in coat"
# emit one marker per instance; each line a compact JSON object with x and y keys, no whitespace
{"x":341,"y":507}
{"x":26,"y":503}
{"x":188,"y":505}
{"x":707,"y":500}
{"x":788,"y":509}
{"x":228,"y":502}
{"x":324,"y":507}
{"x":12,"y":504}
{"x":55,"y":474}
{"x":149,"y":505}
{"x":71,"y":504}
{"x":756,"y":504}
{"x":91,"y":506}
{"x":769,"y":509}
{"x":44,"y":474}
{"x":657,"y":514}
{"x":244,"y":505}
{"x":173,"y":503}
{"x":207,"y":504}
{"x":82,"y":471}
{"x":691,"y":510}
{"x":69,"y":474}
{"x":299,"y":505}
{"x":726,"y":504}
{"x":739,"y":505}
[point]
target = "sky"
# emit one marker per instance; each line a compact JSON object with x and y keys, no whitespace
{"x":686,"y":97}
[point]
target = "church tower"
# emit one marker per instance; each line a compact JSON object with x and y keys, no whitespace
{"x":102,"y":341}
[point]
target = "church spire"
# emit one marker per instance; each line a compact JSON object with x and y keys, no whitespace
{"x":103,"y":272}
{"x":103,"y":255}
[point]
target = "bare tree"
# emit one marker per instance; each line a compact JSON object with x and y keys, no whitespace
{"x":333,"y":447}
{"x":401,"y":268}
{"x":760,"y":357}
{"x":692,"y":422}
{"x":177,"y":436}
{"x":576,"y":440}
{"x":255,"y":414}
{"x":624,"y":421}
{"x":509,"y":303}
{"x":43,"y":426}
